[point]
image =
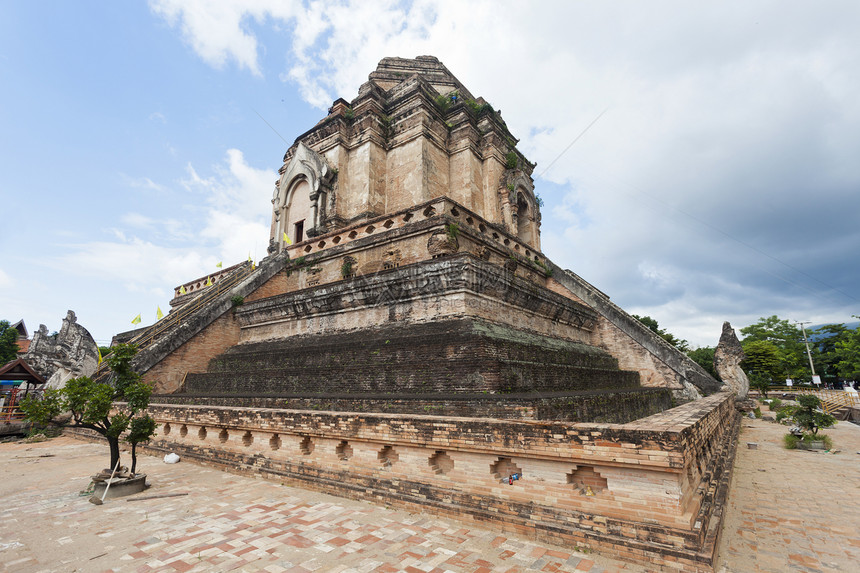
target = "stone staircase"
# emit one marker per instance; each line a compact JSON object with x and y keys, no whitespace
{"x":464,"y":366}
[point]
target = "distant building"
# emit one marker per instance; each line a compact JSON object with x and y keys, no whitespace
{"x":23,"y":337}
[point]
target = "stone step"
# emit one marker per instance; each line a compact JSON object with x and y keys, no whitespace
{"x":607,"y":406}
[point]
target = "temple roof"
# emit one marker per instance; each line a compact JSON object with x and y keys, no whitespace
{"x":392,"y":71}
{"x":20,"y":370}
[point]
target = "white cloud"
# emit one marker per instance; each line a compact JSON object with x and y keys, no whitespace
{"x":5,"y":279}
{"x":137,"y":220}
{"x":144,"y":183}
{"x":221,"y":31}
{"x":137,"y":266}
{"x":239,"y":207}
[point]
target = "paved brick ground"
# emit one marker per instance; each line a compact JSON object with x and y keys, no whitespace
{"x":788,"y":511}
{"x":233,"y":523}
{"x":792,"y":510}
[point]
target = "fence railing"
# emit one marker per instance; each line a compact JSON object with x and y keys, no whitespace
{"x":831,"y":400}
{"x":149,"y":336}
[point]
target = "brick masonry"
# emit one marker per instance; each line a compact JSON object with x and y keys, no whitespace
{"x":606,"y":406}
{"x":658,"y":484}
{"x":419,"y":212}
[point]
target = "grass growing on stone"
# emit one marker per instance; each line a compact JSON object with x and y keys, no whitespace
{"x":793,"y":442}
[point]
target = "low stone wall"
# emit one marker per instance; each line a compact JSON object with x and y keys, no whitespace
{"x":650,"y":490}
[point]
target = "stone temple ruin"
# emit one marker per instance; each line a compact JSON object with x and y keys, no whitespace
{"x":406,"y":341}
{"x":69,"y":353}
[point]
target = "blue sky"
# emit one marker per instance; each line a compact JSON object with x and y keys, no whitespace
{"x":722,"y":183}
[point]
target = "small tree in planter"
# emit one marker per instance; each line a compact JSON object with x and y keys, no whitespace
{"x":140,"y":430}
{"x":808,"y":417}
{"x":91,"y":405}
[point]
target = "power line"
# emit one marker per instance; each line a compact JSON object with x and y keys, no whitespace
{"x":575,"y":139}
{"x":270,"y":126}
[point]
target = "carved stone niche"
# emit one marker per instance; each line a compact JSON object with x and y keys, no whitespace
{"x":519,"y":206}
{"x":391,"y":259}
{"x":300,"y":204}
{"x":442,"y":243}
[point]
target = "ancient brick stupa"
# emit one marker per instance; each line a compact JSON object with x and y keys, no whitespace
{"x":406,"y":328}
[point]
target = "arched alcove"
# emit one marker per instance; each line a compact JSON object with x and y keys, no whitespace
{"x":296,"y":212}
{"x":525,"y":219}
{"x":300,"y":200}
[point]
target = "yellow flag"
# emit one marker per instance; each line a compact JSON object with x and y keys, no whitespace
{"x":219,"y":264}
{"x":159,"y":315}
{"x":182,"y":290}
{"x":287,"y":239}
{"x":208,"y":281}
{"x":99,"y":350}
{"x":136,"y":320}
{"x":249,"y":257}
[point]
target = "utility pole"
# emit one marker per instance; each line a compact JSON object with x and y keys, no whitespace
{"x":808,"y":352}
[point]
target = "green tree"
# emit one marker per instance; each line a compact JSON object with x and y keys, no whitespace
{"x":140,"y":430}
{"x":763,"y":358}
{"x":652,"y":324}
{"x":760,"y":382}
{"x":92,"y":405}
{"x":847,"y":351}
{"x":807,"y":415}
{"x":787,"y":339}
{"x":824,"y":350}
{"x":8,"y":342}
{"x":704,"y":357}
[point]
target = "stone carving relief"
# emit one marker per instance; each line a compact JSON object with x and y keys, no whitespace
{"x":727,"y":362}
{"x":391,"y":259}
{"x":71,"y":353}
{"x":441,"y":243}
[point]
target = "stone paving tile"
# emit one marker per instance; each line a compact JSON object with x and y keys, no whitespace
{"x":792,"y":510}
{"x":787,"y":511}
{"x":238,"y":523}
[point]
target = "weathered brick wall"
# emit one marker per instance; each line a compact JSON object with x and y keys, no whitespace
{"x":396,"y":148}
{"x":194,"y":356}
{"x":636,"y":346}
{"x":642,"y":507}
{"x":164,"y":349}
{"x":441,"y":356}
{"x":452,"y":286}
{"x":604,"y":406}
